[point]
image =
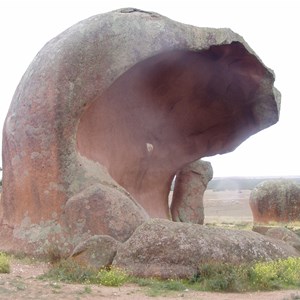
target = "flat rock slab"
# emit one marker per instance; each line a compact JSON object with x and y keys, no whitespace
{"x":175,"y":250}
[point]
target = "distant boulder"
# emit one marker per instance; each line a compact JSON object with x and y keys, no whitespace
{"x":165,"y":249}
{"x":275,"y":201}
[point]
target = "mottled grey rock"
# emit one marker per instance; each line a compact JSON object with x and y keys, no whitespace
{"x":103,"y":210}
{"x":275,"y":201}
{"x":190,"y":185}
{"x":96,"y":252}
{"x":285,"y":235}
{"x":171,"y":249}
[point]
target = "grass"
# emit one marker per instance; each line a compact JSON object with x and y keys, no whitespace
{"x":224,"y":277}
{"x":212,"y":276}
{"x":156,"y":287}
{"x":243,"y":225}
{"x":67,"y":270}
{"x":4,"y":263}
{"x":260,"y":276}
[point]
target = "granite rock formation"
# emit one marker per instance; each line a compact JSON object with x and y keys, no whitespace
{"x":161,"y":248}
{"x":190,"y":185}
{"x":285,"y":235}
{"x":275,"y":201}
{"x":96,"y":252}
{"x":119,"y":103}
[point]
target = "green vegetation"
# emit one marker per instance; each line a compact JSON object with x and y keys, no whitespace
{"x":68,"y":270}
{"x":112,"y":277}
{"x":243,"y":225}
{"x":224,"y":277}
{"x":4,"y":263}
{"x":280,"y":274}
{"x":156,"y":287}
{"x":221,"y":277}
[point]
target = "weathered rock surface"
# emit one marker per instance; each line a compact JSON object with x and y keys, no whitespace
{"x":275,"y":201}
{"x":97,"y":252}
{"x":101,"y":209}
{"x":284,"y":235}
{"x":190,"y":185}
{"x":123,"y":99}
{"x":172,"y":249}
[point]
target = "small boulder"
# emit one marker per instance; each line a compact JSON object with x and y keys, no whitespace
{"x":285,"y":235}
{"x":190,"y":185}
{"x":96,"y":252}
{"x":166,"y":249}
{"x":275,"y":201}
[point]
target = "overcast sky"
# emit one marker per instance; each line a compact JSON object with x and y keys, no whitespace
{"x":271,"y":28}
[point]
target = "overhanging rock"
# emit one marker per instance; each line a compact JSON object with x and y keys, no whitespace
{"x":109,"y":111}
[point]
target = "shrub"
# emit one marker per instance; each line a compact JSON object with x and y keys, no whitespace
{"x":4,"y":263}
{"x":222,"y":277}
{"x":282,"y":273}
{"x":277,"y":274}
{"x":112,"y":276}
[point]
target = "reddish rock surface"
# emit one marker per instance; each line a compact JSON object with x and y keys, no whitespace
{"x":190,"y":185}
{"x":275,"y":201}
{"x":122,"y":100}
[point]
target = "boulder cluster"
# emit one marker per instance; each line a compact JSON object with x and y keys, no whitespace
{"x":105,"y":117}
{"x":167,"y":249}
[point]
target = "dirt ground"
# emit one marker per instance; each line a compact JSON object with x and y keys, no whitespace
{"x":220,"y":207}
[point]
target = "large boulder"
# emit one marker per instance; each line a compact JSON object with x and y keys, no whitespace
{"x":166,"y":249}
{"x":100,"y":208}
{"x":275,"y":201}
{"x":122,"y":100}
{"x":190,"y":185}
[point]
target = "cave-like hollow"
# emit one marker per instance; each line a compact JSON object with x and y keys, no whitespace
{"x":167,"y":111}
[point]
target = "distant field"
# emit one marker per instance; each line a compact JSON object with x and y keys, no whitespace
{"x":227,"y":206}
{"x":242,"y":183}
